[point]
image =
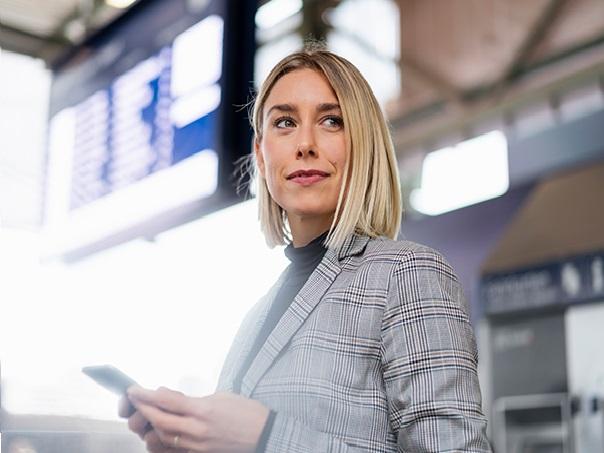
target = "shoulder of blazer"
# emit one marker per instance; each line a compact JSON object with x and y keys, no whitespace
{"x":399,"y":251}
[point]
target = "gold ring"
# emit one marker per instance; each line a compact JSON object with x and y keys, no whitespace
{"x":176,"y":440}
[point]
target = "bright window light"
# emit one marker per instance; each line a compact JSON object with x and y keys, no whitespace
{"x":275,"y":11}
{"x":165,"y":312}
{"x":269,"y":54}
{"x":376,"y":23}
{"x":472,"y":171}
{"x":24,"y":91}
{"x":120,"y":3}
{"x":60,"y":157}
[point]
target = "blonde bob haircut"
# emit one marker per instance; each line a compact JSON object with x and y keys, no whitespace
{"x":370,"y":202}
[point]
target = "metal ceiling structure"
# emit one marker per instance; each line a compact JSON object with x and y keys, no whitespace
{"x":465,"y":59}
{"x":462,"y":62}
{"x":47,"y":29}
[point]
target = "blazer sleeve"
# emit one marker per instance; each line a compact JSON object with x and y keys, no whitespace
{"x":429,"y":359}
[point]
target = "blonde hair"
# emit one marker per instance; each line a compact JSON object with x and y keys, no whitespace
{"x":369,"y":202}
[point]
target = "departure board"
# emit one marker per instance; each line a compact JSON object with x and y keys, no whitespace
{"x":161,"y":111}
{"x":135,"y":119}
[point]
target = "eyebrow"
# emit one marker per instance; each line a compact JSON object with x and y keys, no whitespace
{"x":323,"y":107}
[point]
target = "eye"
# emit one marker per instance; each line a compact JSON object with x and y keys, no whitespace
{"x":334,"y":121}
{"x":284,"y":122}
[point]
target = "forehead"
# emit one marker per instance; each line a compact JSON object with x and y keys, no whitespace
{"x":301,"y":86}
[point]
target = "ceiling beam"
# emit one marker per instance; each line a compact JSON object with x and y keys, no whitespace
{"x":27,"y":43}
{"x":83,"y":12}
{"x":314,"y":24}
{"x":538,"y":87}
{"x":533,"y":38}
{"x":435,"y":81}
{"x":439,"y":83}
{"x":4,"y":28}
{"x":48,"y":47}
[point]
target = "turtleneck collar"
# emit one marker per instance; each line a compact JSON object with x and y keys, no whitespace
{"x":308,"y":254}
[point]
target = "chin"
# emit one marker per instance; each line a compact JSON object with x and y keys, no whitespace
{"x":308,"y":205}
{"x":310,"y":211}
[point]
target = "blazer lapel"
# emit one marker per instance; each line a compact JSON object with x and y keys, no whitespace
{"x":305,"y":301}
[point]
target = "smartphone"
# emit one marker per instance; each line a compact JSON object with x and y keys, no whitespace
{"x":110,"y":377}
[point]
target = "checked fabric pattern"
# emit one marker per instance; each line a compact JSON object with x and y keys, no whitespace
{"x":375,"y":354}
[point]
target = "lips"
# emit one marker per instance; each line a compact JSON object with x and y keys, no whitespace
{"x":307,"y":174}
{"x":307,"y":178}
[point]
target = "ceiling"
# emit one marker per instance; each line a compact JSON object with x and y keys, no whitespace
{"x":45,"y":29}
{"x":462,"y":58}
{"x":458,"y":58}
{"x":452,"y":49}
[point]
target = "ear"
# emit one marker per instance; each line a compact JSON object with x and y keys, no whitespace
{"x":259,"y":157}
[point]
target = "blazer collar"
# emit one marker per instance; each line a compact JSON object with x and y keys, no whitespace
{"x":304,"y":303}
{"x":352,"y":245}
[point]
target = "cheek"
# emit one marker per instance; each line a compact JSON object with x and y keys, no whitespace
{"x":341,"y":160}
{"x":272,"y":166}
{"x":340,"y":154}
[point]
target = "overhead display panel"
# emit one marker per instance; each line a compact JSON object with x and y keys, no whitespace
{"x":135,"y":132}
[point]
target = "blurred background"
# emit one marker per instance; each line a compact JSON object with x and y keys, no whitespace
{"x":121,"y":120}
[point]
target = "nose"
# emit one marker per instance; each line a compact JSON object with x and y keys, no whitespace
{"x":306,"y":144}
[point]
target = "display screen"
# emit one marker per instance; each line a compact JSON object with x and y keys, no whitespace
{"x":134,"y":121}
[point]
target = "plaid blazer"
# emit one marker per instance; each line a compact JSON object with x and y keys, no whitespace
{"x":375,"y":354}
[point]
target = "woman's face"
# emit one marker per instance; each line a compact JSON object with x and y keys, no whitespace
{"x":302,"y":153}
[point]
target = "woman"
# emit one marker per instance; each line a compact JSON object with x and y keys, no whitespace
{"x":363,"y":344}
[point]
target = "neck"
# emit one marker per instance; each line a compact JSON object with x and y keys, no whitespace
{"x":305,"y":229}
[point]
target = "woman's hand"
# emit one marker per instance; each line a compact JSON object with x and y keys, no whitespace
{"x":141,"y":426}
{"x":222,"y":422}
{"x":136,"y":422}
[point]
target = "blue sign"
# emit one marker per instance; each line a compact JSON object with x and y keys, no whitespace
{"x":559,"y":284}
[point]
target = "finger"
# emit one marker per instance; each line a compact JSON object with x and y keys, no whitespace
{"x":155,"y":445}
{"x":166,"y":399}
{"x":178,"y":443}
{"x":153,"y":442}
{"x":125,"y":407}
{"x":164,"y":421}
{"x":168,"y":425}
{"x":138,"y":424}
